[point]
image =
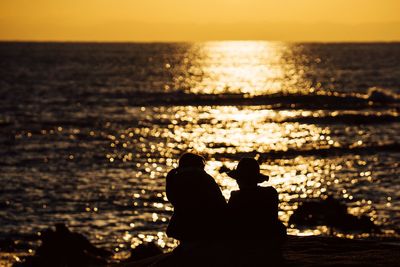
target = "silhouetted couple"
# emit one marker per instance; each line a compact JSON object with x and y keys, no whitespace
{"x":245,"y":231}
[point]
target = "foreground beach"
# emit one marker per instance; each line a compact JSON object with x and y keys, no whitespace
{"x":326,"y":251}
{"x":304,"y":251}
{"x":322,"y":251}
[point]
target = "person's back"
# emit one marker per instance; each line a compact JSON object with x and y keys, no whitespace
{"x":253,"y":209}
{"x":254,"y":214}
{"x":199,"y":206}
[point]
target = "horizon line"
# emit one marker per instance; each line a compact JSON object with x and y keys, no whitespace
{"x":194,"y":41}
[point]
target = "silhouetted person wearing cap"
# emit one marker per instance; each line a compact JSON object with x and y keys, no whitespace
{"x":199,"y":206}
{"x":253,"y":212}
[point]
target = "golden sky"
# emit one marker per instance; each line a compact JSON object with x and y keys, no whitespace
{"x":198,"y":20}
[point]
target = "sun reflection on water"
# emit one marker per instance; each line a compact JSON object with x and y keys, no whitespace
{"x":249,"y":68}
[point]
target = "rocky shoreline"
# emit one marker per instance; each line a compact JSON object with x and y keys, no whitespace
{"x":306,"y":251}
{"x":313,"y":251}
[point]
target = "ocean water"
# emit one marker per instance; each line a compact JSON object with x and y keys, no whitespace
{"x":89,"y":131}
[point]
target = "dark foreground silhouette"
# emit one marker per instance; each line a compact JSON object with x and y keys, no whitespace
{"x":253,"y":210}
{"x":65,"y":248}
{"x":244,"y":232}
{"x":72,"y":249}
{"x":308,"y":251}
{"x":258,"y":234}
{"x":332,"y":213}
{"x":199,"y":207}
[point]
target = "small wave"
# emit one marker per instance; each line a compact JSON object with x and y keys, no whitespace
{"x":328,"y":100}
{"x":319,"y":152}
{"x":347,"y":119}
{"x":375,"y":98}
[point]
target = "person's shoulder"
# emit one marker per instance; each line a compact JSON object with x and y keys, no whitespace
{"x":171,"y":174}
{"x":205,"y":174}
{"x":235,"y":196}
{"x":235,"y":193}
{"x":268,"y":190}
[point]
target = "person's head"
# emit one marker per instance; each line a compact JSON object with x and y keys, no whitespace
{"x":191,"y":160}
{"x":247,"y":173}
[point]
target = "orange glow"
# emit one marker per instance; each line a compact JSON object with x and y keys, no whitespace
{"x":189,"y":20}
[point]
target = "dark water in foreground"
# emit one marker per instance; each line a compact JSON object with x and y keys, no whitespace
{"x":88,"y":131}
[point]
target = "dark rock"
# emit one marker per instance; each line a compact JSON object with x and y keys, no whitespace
{"x":381,"y":95}
{"x":7,"y":245}
{"x":144,"y":250}
{"x":332,"y":213}
{"x":65,"y":248}
{"x":15,"y":244}
{"x":224,"y":169}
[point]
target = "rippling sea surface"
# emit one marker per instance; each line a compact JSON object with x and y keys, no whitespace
{"x":89,"y":131}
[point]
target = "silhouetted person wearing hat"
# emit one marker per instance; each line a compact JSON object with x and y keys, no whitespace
{"x":199,"y":206}
{"x":253,"y":212}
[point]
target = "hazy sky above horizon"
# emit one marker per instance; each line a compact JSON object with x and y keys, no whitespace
{"x":193,"y":20}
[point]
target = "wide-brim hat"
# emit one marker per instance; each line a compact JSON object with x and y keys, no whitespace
{"x":248,"y":168}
